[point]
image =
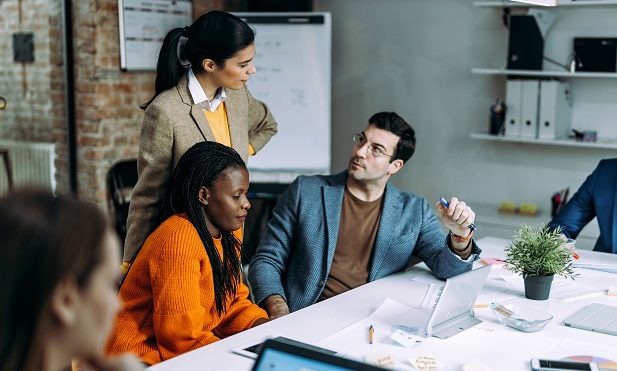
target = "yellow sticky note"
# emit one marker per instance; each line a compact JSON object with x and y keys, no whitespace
{"x":426,"y":362}
{"x":382,"y":360}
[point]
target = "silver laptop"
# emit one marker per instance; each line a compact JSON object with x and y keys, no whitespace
{"x":453,"y":312}
{"x":595,"y":317}
{"x":290,"y":355}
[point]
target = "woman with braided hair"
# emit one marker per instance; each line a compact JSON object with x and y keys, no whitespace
{"x":184,"y":289}
{"x":200,"y":95}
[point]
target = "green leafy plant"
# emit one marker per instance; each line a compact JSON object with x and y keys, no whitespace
{"x":539,"y":251}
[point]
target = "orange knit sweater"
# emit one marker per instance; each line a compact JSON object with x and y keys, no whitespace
{"x":168,"y":298}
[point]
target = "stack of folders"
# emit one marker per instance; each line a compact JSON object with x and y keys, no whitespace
{"x":538,"y":109}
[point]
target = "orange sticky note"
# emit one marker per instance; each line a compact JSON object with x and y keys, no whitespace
{"x":495,"y":261}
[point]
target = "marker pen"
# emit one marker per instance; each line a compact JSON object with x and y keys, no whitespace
{"x":446,"y":204}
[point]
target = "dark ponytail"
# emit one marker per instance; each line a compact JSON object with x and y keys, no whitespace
{"x":169,"y":70}
{"x":215,"y":35}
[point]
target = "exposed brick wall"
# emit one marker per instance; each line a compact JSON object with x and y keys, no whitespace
{"x":34,"y":91}
{"x":107,"y":100}
{"x":26,"y":86}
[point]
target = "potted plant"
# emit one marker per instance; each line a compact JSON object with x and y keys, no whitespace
{"x":538,"y":253}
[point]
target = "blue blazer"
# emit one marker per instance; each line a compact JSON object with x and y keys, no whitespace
{"x":597,"y":197}
{"x":295,"y":255}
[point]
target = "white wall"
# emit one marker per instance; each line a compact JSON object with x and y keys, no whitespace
{"x":415,"y":57}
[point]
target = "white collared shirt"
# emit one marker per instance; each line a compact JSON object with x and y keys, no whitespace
{"x":199,"y":96}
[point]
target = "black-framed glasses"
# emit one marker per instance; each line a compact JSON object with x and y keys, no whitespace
{"x":375,"y":151}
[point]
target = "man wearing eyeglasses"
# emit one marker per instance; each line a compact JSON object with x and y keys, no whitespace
{"x":330,"y":234}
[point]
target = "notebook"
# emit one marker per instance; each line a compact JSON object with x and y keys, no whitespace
{"x":453,"y":312}
{"x":595,"y":317}
{"x":280,"y":354}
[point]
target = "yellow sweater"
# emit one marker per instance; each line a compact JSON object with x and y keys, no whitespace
{"x":168,"y":298}
{"x":219,"y":124}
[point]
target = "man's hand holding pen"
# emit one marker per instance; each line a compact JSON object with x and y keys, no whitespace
{"x":456,"y":216}
{"x":459,"y":219}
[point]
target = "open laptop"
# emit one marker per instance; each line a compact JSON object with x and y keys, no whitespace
{"x":252,"y":350}
{"x":280,"y":354}
{"x":595,"y":317}
{"x":453,"y":312}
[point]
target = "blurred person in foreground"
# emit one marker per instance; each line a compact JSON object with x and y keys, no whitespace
{"x":58,"y":277}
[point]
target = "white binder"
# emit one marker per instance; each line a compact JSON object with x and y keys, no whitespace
{"x":555,"y":119}
{"x":512,"y":125}
{"x":529,"y":108}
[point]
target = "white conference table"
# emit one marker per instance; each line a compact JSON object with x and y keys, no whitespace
{"x":491,"y":344}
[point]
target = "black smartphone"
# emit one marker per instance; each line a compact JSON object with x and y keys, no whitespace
{"x":553,"y":365}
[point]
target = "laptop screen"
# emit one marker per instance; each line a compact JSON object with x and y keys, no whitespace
{"x":289,"y":355}
{"x":273,"y":360}
{"x":460,"y":293}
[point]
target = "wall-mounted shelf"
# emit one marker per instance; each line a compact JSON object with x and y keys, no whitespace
{"x":513,"y":4}
{"x":491,"y":222}
{"x":543,"y":73}
{"x":605,"y":144}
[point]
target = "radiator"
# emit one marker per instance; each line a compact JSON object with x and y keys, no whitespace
{"x":32,"y":165}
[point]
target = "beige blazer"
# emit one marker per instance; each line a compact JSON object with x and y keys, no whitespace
{"x":172,"y":124}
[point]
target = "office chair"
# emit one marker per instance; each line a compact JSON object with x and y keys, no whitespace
{"x":263,"y":197}
{"x":4,"y":153}
{"x":121,"y":179}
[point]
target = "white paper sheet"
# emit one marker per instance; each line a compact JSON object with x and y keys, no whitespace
{"x":492,"y":348}
{"x":483,"y":343}
{"x":562,"y":288}
{"x":353,"y":341}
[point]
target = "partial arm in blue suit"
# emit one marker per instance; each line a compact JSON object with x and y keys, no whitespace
{"x":580,"y":210}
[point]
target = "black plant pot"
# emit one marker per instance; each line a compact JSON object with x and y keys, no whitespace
{"x":538,"y":287}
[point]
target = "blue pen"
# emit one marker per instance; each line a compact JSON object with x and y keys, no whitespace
{"x":446,"y":204}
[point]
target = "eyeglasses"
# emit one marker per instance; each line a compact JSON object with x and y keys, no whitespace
{"x":375,"y":151}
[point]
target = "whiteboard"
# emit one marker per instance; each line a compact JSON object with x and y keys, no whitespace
{"x":293,"y":61}
{"x":143,"y":26}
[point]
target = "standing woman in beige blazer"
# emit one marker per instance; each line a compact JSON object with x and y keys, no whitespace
{"x":200,"y":95}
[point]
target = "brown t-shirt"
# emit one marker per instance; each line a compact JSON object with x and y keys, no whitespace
{"x":354,"y":245}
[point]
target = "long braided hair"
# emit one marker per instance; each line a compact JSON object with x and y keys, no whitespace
{"x":199,"y":167}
